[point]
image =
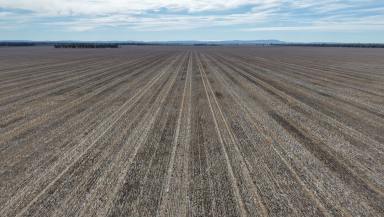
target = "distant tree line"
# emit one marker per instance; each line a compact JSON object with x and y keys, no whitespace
{"x":17,"y":44}
{"x":358,"y":45}
{"x":87,"y":45}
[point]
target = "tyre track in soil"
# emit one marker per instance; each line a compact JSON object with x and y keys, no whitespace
{"x":60,"y":133}
{"x":357,"y":182}
{"x":116,"y":79}
{"x":231,"y":162}
{"x":290,"y":72}
{"x":79,"y":66}
{"x":208,"y":169}
{"x":191,"y":131}
{"x":96,"y":107}
{"x":148,"y":198}
{"x":374,"y":152}
{"x":51,"y":76}
{"x":85,"y":89}
{"x":73,"y":155}
{"x":123,"y":160}
{"x":137,"y":132}
{"x":238,"y":135}
{"x":33,"y":73}
{"x":328,"y":105}
{"x":326,"y":66}
{"x":320,"y":76}
{"x":27,"y":71}
{"x":273,"y":87}
{"x":32,"y":104}
{"x":58,"y":61}
{"x":325,"y":81}
{"x":266,"y":139}
{"x":259,"y":82}
{"x":93,"y":158}
{"x":42,"y":91}
{"x":174,"y":191}
{"x":83,"y":81}
{"x":124,"y":197}
{"x":273,"y":91}
{"x":82,"y":90}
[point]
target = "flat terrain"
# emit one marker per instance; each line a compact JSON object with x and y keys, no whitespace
{"x":192,"y":131}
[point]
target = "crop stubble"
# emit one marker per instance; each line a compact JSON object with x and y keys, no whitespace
{"x":192,"y":131}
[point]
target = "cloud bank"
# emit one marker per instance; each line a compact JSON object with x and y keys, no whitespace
{"x":161,"y":15}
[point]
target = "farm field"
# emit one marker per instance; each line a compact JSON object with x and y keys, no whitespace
{"x":192,"y":131}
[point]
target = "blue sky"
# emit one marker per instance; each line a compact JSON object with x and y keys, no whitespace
{"x":163,"y":20}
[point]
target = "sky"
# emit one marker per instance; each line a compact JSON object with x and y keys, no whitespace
{"x":209,"y":20}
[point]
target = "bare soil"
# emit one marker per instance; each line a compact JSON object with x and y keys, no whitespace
{"x":192,"y":131}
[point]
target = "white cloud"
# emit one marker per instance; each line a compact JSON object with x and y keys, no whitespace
{"x":157,"y":15}
{"x":102,"y":7}
{"x":170,"y":22}
{"x":333,"y":28}
{"x":83,"y":15}
{"x":340,"y":24}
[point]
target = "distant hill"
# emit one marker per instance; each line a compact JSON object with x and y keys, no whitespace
{"x":240,"y":42}
{"x":228,"y":42}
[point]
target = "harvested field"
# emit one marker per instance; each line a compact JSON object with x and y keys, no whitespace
{"x":192,"y":131}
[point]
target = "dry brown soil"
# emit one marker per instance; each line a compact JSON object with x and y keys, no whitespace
{"x":192,"y":131}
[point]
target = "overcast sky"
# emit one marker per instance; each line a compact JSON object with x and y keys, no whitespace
{"x":162,"y":20}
